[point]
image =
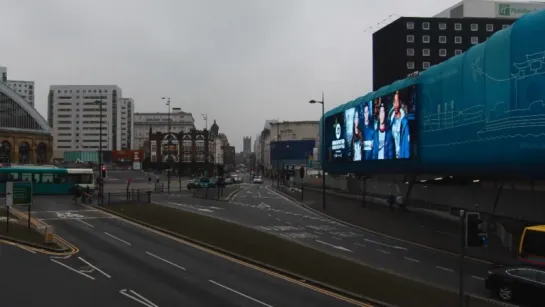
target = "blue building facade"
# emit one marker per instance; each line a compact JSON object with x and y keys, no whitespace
{"x":295,"y":152}
{"x":479,"y":113}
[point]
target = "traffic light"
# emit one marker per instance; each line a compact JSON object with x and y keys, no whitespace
{"x":103,"y":172}
{"x":475,"y":236}
{"x":220,"y":170}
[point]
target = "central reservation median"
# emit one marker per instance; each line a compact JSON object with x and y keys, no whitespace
{"x":342,"y":275}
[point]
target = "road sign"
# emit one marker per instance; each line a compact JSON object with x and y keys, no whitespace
{"x":19,"y":193}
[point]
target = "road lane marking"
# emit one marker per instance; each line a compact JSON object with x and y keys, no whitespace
{"x":379,"y":243}
{"x":444,"y":269}
{"x":242,"y":263}
{"x":334,"y":246}
{"x":318,"y":233}
{"x":239,"y":293}
{"x":411,"y":259}
{"x":337,"y":238}
{"x":477,"y":277}
{"x":277,"y":219}
{"x":289,"y":223}
{"x":85,"y":223}
{"x":118,"y":239}
{"x":137,"y":298}
{"x":269,"y":214}
{"x":26,"y":249}
{"x":362,"y":245}
{"x":166,"y":261}
{"x":94,"y":267}
{"x":383,"y":251}
{"x":71,"y":269}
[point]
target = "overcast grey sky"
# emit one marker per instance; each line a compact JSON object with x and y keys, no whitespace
{"x":239,"y":61}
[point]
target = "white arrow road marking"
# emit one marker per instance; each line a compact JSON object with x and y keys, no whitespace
{"x":94,"y":267}
{"x":334,"y":246}
{"x":391,"y":246}
{"x":137,"y":298}
{"x":71,"y":269}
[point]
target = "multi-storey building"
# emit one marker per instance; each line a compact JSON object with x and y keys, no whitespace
{"x":25,"y":89}
{"x":127,"y":123}
{"x":74,"y":116}
{"x":159,"y":122}
{"x":247,"y":144}
{"x":411,"y":44}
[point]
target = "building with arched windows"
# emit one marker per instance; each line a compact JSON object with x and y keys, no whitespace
{"x":25,"y":136}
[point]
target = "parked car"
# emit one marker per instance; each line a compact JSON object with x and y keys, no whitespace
{"x":193,"y":184}
{"x":257,"y":180}
{"x":228,"y":180}
{"x":520,"y":283}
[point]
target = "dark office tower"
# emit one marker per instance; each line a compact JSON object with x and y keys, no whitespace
{"x":411,"y":44}
{"x":247,"y":144}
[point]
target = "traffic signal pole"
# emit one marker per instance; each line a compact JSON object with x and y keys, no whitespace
{"x":462,"y":256}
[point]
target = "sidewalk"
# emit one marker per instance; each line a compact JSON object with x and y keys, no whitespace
{"x":431,"y":228}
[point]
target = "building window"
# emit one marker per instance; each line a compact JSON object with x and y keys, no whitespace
{"x":505,"y":26}
{"x":410,"y":38}
{"x":442,"y":26}
{"x":457,"y":51}
{"x":474,"y":27}
{"x":474,"y":40}
{"x":457,"y":39}
{"x":425,"y":26}
{"x":442,"y":52}
{"x":458,"y":26}
{"x":442,"y":39}
{"x":490,"y":27}
{"x":410,"y":52}
{"x":425,"y":65}
{"x":410,"y":25}
{"x":426,"y":52}
{"x":410,"y":65}
{"x":426,"y":39}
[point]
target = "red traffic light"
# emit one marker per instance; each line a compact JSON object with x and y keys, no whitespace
{"x":104,"y":168}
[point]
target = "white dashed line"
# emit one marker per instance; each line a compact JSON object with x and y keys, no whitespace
{"x":337,"y":238}
{"x":318,"y":233}
{"x":411,"y":259}
{"x":362,"y":245}
{"x":477,"y":277}
{"x":288,"y":223}
{"x":277,"y":219}
{"x":383,"y":251}
{"x":444,"y":269}
{"x":269,"y":214}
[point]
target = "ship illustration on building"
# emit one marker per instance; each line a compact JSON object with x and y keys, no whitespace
{"x":522,"y":115}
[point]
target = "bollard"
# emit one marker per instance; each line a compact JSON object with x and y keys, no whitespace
{"x":48,"y":234}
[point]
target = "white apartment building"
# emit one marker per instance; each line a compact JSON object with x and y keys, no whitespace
{"x":74,"y":116}
{"x":127,"y":123}
{"x":158,"y":122}
{"x":25,"y":89}
{"x":491,"y":9}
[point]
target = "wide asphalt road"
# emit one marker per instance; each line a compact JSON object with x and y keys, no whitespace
{"x":123,"y":264}
{"x":264,"y":209}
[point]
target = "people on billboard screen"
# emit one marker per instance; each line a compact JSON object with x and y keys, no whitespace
{"x":400,"y":128}
{"x":357,"y":138}
{"x":383,"y":141}
{"x":368,"y":130}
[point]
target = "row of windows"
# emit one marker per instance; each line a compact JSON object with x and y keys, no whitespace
{"x":30,"y":86}
{"x":89,"y":147}
{"x":442,"y":39}
{"x":427,"y":52}
{"x":425,"y":65}
{"x":457,"y":26}
{"x":84,"y":91}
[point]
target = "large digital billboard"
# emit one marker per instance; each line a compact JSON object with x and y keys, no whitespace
{"x":382,"y":129}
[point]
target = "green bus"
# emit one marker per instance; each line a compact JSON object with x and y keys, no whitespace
{"x":47,"y":180}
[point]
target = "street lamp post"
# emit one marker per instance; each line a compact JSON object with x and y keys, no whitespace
{"x":100,"y":160}
{"x":322,"y":146}
{"x":169,"y":143}
{"x":205,"y":117}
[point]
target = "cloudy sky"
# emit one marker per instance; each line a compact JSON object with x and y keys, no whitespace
{"x":239,"y":61}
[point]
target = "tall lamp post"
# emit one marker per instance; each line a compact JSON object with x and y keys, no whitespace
{"x":205,"y":117}
{"x":100,"y":160}
{"x":322,"y":146}
{"x":169,"y":143}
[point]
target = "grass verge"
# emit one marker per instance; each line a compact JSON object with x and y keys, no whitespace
{"x":19,"y":232}
{"x":298,"y":259}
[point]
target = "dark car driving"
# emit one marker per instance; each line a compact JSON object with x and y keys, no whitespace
{"x":193,"y":184}
{"x":521,"y":283}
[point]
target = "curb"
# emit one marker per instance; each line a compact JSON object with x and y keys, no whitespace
{"x":232,"y":194}
{"x":298,"y":202}
{"x":35,"y":245}
{"x":291,"y":275}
